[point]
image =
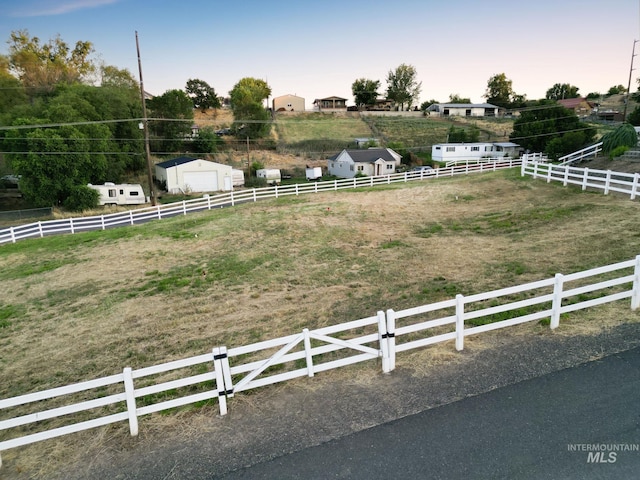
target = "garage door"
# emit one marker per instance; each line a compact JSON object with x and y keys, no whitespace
{"x":201,"y":181}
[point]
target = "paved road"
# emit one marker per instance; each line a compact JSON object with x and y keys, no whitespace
{"x":525,"y":430}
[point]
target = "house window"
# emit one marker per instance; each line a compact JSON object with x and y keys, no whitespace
{"x":351,"y":168}
{"x":475,"y":149}
{"x":451,"y":149}
{"x":445,"y":111}
{"x":360,"y":168}
{"x":389,"y":166}
{"x":468,"y":112}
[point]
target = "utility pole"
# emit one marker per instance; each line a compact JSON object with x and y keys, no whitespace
{"x":626,"y":102}
{"x":145,"y":126}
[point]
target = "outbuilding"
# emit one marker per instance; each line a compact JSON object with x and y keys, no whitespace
{"x":186,"y":174}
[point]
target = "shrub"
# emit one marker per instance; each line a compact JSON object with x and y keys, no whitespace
{"x":618,"y":151}
{"x":81,"y":198}
{"x":624,"y":135}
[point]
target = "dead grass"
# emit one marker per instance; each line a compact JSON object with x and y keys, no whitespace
{"x":270,"y":269}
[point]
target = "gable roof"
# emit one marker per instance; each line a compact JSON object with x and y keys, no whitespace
{"x":463,"y":105}
{"x":369,"y":155}
{"x":175,"y":161}
{"x":572,"y":103}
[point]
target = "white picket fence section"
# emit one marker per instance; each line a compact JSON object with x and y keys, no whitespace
{"x":587,"y":152}
{"x":132,"y":217}
{"x":605,"y":180}
{"x":222,"y":373}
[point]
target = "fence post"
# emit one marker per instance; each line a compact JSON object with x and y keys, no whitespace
{"x":391,"y":338}
{"x":382,"y":340}
{"x":159,"y":213}
{"x":607,"y":182}
{"x":102,"y":221}
{"x":131,"y":217}
{"x":523,"y":166}
{"x":13,"y":234}
{"x":585,"y":176}
{"x":307,"y":351}
{"x":459,"y":322}
{"x":254,"y":196}
{"x":233,"y":200}
{"x":557,"y":300}
{"x":549,"y":173}
{"x":40,"y":229}
{"x":566,"y":175}
{"x":131,"y":401}
{"x":634,"y":187}
{"x":218,"y":355}
{"x":635,"y":297}
{"x":71,"y":226}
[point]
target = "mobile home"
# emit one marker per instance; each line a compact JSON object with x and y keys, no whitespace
{"x":450,"y":152}
{"x":121,"y":194}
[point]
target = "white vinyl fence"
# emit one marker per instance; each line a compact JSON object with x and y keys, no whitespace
{"x":132,"y":217}
{"x":605,"y":180}
{"x":224,"y":372}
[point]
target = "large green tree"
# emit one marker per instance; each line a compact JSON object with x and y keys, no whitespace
{"x":41,"y":66}
{"x":172,"y":114}
{"x":551,"y":129}
{"x":499,"y":91}
{"x":246,"y":98}
{"x":403,"y":86}
{"x":202,"y":94}
{"x":560,"y":91}
{"x":455,"y":98}
{"x":365,"y":92}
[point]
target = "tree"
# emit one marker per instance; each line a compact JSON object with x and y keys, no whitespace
{"x":499,"y":90}
{"x":634,"y":117}
{"x":455,"y":98}
{"x":12,"y":93}
{"x":206,"y":141}
{"x":40,"y":67}
{"x":537,"y":130}
{"x":617,"y":89}
{"x":174,"y":109}
{"x":463,"y":135}
{"x":202,"y":95}
{"x":624,"y":135}
{"x":561,"y":91}
{"x":118,"y":78}
{"x":246,"y":99}
{"x":402,"y":86}
{"x":365,"y":92}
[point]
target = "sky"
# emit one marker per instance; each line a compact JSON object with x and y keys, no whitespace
{"x":316,"y":49}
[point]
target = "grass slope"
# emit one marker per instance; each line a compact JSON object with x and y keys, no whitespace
{"x":84,"y":306}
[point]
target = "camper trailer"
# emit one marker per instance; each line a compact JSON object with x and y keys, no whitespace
{"x":238,"y":178}
{"x":271,"y":175}
{"x":121,"y":194}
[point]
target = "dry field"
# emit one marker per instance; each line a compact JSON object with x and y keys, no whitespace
{"x":84,"y":306}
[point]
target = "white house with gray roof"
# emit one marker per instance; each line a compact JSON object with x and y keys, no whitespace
{"x":370,"y":162}
{"x":463,"y":109}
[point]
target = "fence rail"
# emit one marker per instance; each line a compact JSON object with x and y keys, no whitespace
{"x":605,"y":180}
{"x":222,"y":373}
{"x":133,"y":217}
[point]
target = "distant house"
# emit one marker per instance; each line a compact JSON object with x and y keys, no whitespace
{"x":369,"y":162}
{"x":581,"y":106}
{"x":366,"y":141}
{"x":186,"y":174}
{"x":454,"y":152}
{"x":288,"y":103}
{"x":463,"y":109}
{"x":331,"y":104}
{"x":380,"y":104}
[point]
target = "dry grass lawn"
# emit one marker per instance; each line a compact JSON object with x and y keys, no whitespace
{"x":80,"y":307}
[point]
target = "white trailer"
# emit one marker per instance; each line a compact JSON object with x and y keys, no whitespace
{"x":238,"y":177}
{"x":313,"y":173}
{"x":271,"y":175}
{"x":120,"y":194}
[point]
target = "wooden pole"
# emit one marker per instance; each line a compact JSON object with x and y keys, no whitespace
{"x":145,"y":127}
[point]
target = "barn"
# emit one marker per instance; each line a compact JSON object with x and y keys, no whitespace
{"x":186,"y":174}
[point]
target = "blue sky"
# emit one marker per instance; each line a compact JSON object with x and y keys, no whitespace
{"x":316,"y":49}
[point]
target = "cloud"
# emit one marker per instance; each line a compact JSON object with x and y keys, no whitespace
{"x":58,"y":7}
